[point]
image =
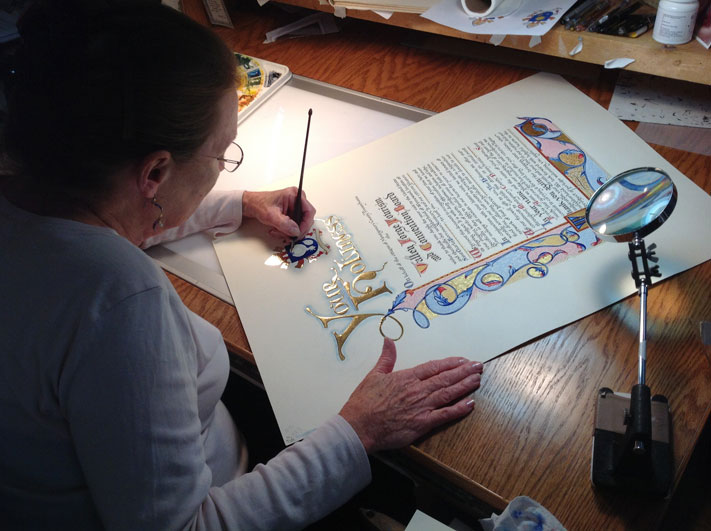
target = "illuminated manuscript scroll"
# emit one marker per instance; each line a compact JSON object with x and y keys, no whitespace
{"x":463,"y":234}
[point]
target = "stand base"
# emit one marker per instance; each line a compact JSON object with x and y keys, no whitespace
{"x":614,"y":464}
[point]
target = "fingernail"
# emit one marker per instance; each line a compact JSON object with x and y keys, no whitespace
{"x":477,"y":366}
{"x":470,"y":403}
{"x":462,"y":360}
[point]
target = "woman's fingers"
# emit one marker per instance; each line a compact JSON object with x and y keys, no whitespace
{"x":387,"y":359}
{"x":273,"y":209}
{"x":452,"y":376}
{"x":307,"y":216}
{"x":455,"y":391}
{"x":447,"y":414}
{"x":432,"y":368}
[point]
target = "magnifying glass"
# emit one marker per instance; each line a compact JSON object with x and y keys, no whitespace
{"x":627,"y":208}
{"x":632,"y":204}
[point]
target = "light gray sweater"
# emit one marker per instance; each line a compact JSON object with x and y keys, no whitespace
{"x":109,"y":396}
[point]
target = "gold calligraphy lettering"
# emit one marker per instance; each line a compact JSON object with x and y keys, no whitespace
{"x":356,"y":320}
{"x":357,"y":292}
{"x":367,"y":293}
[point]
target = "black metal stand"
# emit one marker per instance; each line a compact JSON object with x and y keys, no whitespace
{"x":631,"y":446}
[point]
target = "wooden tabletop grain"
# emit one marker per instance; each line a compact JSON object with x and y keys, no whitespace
{"x":531,"y":431}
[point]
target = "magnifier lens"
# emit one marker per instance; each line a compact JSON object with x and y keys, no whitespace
{"x":634,"y":202}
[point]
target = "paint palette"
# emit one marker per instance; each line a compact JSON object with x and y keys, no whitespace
{"x":259,"y":79}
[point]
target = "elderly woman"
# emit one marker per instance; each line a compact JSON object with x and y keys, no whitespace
{"x":110,"y":412}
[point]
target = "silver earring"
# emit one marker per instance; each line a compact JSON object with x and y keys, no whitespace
{"x":158,"y":222}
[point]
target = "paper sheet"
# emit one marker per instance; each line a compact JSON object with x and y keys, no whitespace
{"x":459,"y":235}
{"x":659,"y":100}
{"x":423,"y":522}
{"x":531,"y":18}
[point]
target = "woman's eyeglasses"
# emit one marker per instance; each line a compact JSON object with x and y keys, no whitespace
{"x":231,"y":165}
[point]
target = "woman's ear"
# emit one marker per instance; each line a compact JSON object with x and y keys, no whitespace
{"x":153,"y":170}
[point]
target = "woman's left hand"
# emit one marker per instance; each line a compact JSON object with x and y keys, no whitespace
{"x":390,"y":410}
{"x":272,"y":209}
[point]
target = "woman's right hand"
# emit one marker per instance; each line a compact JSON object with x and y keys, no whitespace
{"x":392,"y":409}
{"x":272,"y":208}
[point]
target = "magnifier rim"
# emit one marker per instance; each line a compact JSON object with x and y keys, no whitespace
{"x":652,"y":225}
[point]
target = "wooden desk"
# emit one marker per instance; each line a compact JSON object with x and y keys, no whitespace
{"x":531,"y":429}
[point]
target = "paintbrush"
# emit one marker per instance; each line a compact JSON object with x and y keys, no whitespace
{"x":297,"y":213}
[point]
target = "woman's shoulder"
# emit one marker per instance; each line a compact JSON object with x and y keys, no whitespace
{"x":116,"y":268}
{"x":75,"y":261}
{"x":111,"y":276}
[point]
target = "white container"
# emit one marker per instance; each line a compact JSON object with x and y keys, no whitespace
{"x":675,"y":21}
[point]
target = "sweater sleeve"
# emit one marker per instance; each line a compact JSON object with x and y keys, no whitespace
{"x":220,"y":212}
{"x":129,"y":395}
{"x":302,"y":484}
